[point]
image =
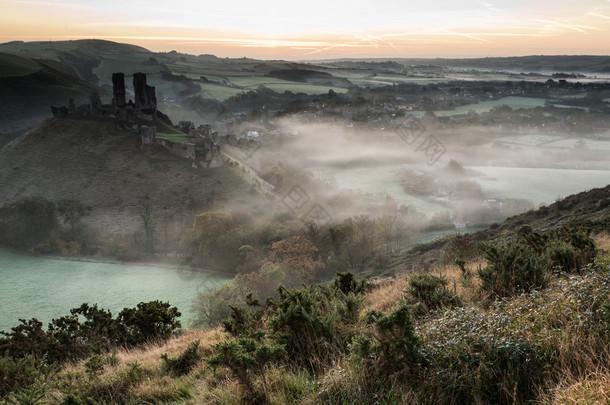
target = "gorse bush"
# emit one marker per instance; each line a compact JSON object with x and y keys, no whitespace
{"x":392,"y":346}
{"x":150,"y":320}
{"x":19,"y":373}
{"x":522,"y":266}
{"x":305,"y":322}
{"x":246,"y":358}
{"x":506,"y":353}
{"x":89,"y":329}
{"x":346,"y":283}
{"x":567,"y":248}
{"x":512,"y":269}
{"x":430,"y":292}
{"x":304,"y":328}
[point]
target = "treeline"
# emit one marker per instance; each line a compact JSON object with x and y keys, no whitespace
{"x":44,"y":226}
{"x":58,"y":227}
{"x":230,"y":242}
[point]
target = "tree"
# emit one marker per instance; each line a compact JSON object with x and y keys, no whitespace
{"x":361,"y":241}
{"x":148,"y":227}
{"x":217,"y":237}
{"x":298,"y":258}
{"x":72,"y":211}
{"x":28,"y":221}
{"x":391,"y":231}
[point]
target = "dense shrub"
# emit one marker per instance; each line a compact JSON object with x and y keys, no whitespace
{"x":247,"y":358}
{"x":430,"y":292}
{"x":512,"y":269}
{"x":346,"y":283}
{"x":392,"y":346}
{"x":149,"y":321}
{"x":19,"y":373}
{"x":89,"y":329}
{"x":506,"y":353}
{"x":305,"y":322}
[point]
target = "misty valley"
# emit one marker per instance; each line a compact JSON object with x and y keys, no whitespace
{"x":180,"y":228}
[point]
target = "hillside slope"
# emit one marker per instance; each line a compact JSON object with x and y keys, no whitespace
{"x":102,"y":165}
{"x":591,"y":208}
{"x":28,"y":90}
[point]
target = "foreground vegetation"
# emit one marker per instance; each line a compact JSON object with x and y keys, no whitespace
{"x":523,"y":321}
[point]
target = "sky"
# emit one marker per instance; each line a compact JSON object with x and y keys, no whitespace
{"x":321,"y":29}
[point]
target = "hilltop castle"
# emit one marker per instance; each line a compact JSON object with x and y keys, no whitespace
{"x":200,"y":148}
{"x":144,"y":107}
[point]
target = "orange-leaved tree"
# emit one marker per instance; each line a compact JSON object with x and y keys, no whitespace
{"x":298,"y":258}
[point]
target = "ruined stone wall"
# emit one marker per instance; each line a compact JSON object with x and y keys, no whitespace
{"x":180,"y":149}
{"x":250,"y":176}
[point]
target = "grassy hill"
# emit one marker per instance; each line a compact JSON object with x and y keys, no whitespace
{"x":29,"y":88}
{"x":101,"y":164}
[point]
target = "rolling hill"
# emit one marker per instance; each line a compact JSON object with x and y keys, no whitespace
{"x":101,"y":164}
{"x":29,"y":88}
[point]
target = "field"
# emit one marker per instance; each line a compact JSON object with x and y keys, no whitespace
{"x":513,"y":102}
{"x":540,"y":186}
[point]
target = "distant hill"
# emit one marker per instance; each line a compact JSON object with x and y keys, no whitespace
{"x":29,"y":88}
{"x":97,"y":162}
{"x":532,"y":63}
{"x":75,"y":58}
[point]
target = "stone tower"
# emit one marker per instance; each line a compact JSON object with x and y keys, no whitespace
{"x":118,"y":89}
{"x":139,"y":88}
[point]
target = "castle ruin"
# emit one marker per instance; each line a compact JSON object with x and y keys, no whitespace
{"x":144,"y":107}
{"x":200,"y":147}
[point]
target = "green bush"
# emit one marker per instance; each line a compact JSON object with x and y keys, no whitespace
{"x":24,"y":339}
{"x":305,"y":322}
{"x":184,"y":363}
{"x":19,"y":373}
{"x":88,"y":330}
{"x":94,"y":365}
{"x":567,"y":248}
{"x":393,"y":346}
{"x":346,"y":283}
{"x":246,"y":358}
{"x":512,"y":269}
{"x":149,"y":321}
{"x":431,"y":292}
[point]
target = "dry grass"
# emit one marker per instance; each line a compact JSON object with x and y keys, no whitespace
{"x":152,"y":385}
{"x":594,"y":388}
{"x":390,"y":291}
{"x":386,"y":296}
{"x":151,"y":353}
{"x":602,"y":241}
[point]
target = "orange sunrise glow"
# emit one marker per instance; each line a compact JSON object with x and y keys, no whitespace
{"x":317,"y":29}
